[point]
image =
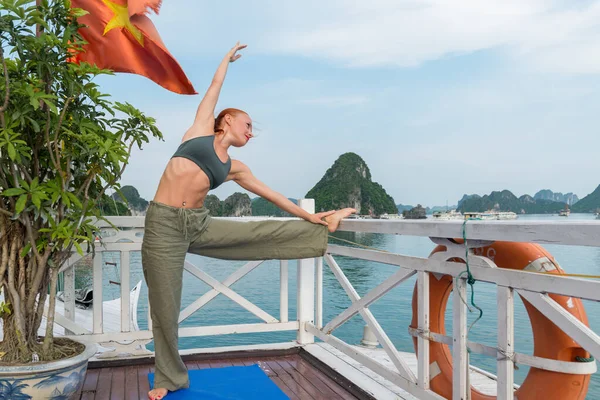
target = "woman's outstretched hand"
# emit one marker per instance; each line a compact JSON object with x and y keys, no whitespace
{"x":318,"y":218}
{"x":232,"y":53}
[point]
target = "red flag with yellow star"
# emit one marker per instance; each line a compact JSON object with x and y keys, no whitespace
{"x":127,"y":44}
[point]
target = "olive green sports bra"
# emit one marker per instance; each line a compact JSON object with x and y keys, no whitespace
{"x":201,"y":150}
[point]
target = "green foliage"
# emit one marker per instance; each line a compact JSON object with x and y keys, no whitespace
{"x":589,"y":204}
{"x":264,"y":207}
{"x":506,"y":201}
{"x":348,"y":184}
{"x":63,"y":143}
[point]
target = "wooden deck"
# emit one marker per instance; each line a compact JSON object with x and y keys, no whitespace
{"x":293,"y":374}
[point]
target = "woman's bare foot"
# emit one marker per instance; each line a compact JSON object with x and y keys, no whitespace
{"x":157,"y":394}
{"x":333,"y":220}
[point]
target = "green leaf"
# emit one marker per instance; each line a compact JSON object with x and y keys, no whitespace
{"x":78,"y":12}
{"x":79,"y":250}
{"x":11,"y":152}
{"x":20,"y":206}
{"x":74,"y":199}
{"x":34,"y":184}
{"x":25,"y":250}
{"x":51,"y":105}
{"x":35,"y":198}
{"x":36,"y":126}
{"x":13,"y":192}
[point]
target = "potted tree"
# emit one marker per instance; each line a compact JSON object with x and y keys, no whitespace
{"x":63,"y":144}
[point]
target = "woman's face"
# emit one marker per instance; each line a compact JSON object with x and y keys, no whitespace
{"x":241,"y":128}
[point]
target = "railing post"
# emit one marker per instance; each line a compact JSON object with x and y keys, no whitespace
{"x":505,"y":343}
{"x":98,"y":297}
{"x":319,"y":296}
{"x":69,"y":295}
{"x":125,"y":296}
{"x":306,"y":286}
{"x":284,"y":291}
{"x":422,"y":341}
{"x":460,"y":361}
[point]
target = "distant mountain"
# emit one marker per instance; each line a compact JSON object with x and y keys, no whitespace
{"x":590,"y":203}
{"x":417,"y":212}
{"x":348,"y":184}
{"x":466,"y":197}
{"x":236,"y":205}
{"x":213,"y":204}
{"x":403,"y":207}
{"x":506,"y":201}
{"x":264,"y":207}
{"x":131,"y":197}
{"x":568,"y":198}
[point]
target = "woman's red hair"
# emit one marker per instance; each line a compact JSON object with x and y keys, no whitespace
{"x":222,"y":114}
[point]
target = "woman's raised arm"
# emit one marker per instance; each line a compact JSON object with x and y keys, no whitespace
{"x":205,"y":116}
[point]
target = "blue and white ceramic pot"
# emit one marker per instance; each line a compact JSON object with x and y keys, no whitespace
{"x":56,"y":380}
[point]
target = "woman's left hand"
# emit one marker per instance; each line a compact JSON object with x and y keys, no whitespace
{"x":232,"y":53}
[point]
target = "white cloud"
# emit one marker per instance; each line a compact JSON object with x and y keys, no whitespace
{"x":336,"y":101}
{"x":554,"y":35}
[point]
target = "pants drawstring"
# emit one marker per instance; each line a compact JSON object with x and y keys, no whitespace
{"x":184,"y":220}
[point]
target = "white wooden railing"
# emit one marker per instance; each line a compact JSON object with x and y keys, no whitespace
{"x":309,"y":320}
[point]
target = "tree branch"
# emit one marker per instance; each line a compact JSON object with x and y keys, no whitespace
{"x":117,"y":177}
{"x":47,"y":136}
{"x":86,"y":185}
{"x":27,"y":223}
{"x":56,"y":133}
{"x":7,"y":95}
{"x":25,"y":173}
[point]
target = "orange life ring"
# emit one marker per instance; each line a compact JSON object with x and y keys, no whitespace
{"x":549,"y":340}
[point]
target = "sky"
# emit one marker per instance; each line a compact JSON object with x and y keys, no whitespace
{"x":439,"y":97}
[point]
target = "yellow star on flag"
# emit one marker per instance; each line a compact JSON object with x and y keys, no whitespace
{"x":121,"y":20}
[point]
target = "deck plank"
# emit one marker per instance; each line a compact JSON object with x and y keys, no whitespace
{"x":310,"y":372}
{"x":220,"y":363}
{"x":143,"y":383}
{"x":284,"y":388}
{"x":117,"y":384}
{"x":88,"y":391}
{"x":316,"y":391}
{"x":131,"y":383}
{"x":288,"y":379}
{"x":104,"y":384}
{"x":203,"y":364}
{"x":191,"y":365}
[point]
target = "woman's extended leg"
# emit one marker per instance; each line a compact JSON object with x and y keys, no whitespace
{"x":264,"y":240}
{"x":260,"y":240}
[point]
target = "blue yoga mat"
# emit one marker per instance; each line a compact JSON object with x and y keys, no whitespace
{"x":243,"y":383}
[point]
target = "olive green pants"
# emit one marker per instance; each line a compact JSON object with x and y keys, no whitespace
{"x":171,"y":232}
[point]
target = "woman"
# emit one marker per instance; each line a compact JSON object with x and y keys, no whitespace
{"x":176,"y":223}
